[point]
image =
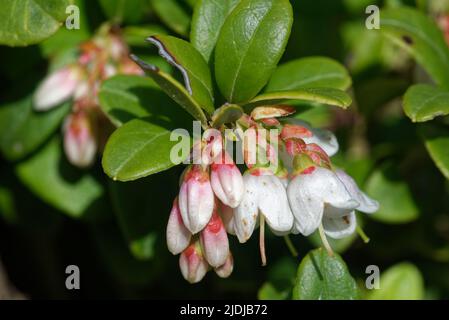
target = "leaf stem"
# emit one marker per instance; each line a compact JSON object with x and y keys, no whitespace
{"x":326,"y":244}
{"x":262,"y":240}
{"x":290,"y":246}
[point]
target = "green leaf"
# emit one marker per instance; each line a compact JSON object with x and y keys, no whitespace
{"x":250,"y":45}
{"x":173,"y":15}
{"x":330,"y":96}
{"x":269,"y":292}
{"x":129,"y":11}
{"x":309,"y":72}
{"x":325,"y":278}
{"x":58,"y":183}
{"x":419,"y":34}
{"x":436,"y":140}
{"x":423,"y":102}
{"x":394,"y":195}
{"x":28,"y":22}
{"x":191,"y":64}
{"x":208,"y":18}
{"x":138,"y":149}
{"x":23,"y":130}
{"x":136,"y":35}
{"x":126,"y":97}
{"x":226,"y":114}
{"x":403,"y":281}
{"x":173,"y":89}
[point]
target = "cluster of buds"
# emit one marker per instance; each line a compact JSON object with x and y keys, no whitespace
{"x":289,"y":183}
{"x":86,"y":129}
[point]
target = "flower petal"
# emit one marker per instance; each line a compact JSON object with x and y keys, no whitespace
{"x":56,"y":88}
{"x":273,"y":204}
{"x":178,"y":237}
{"x":214,"y":241}
{"x":338,"y":228}
{"x":245,"y":215}
{"x":366,"y":204}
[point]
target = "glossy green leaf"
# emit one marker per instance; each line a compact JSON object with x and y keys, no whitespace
{"x":436,"y":140}
{"x":58,"y":183}
{"x":194,"y":69}
{"x":250,"y":45}
{"x":138,"y":149}
{"x":419,"y":34}
{"x":208,"y":18}
{"x":423,"y":102}
{"x":330,"y":96}
{"x":401,"y":282}
{"x":173,"y":15}
{"x":394,"y":195}
{"x":23,"y":130}
{"x":125,"y":97}
{"x":226,"y":114}
{"x":269,"y":292}
{"x":173,"y":89}
{"x":309,"y":72}
{"x":130,"y":11}
{"x":321,"y":277}
{"x":28,"y":22}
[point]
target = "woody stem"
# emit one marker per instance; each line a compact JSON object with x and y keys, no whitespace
{"x":326,"y":244}
{"x":262,"y":240}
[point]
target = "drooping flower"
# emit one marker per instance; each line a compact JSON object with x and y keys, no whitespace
{"x":192,"y":263}
{"x":80,"y":144}
{"x":265,"y":194}
{"x":178,"y":236}
{"x":57,"y":87}
{"x":196,"y":199}
{"x":317,"y":196}
{"x":214,"y":242}
{"x":227,"y":181}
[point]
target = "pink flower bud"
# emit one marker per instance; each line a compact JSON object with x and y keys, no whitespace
{"x":226,"y":269}
{"x":227,"y":216}
{"x":178,"y":237}
{"x":192,"y":264}
{"x":227,"y":181}
{"x":213,"y":145}
{"x":56,"y":88}
{"x":79,"y":139}
{"x":196,"y":199}
{"x":214,"y":241}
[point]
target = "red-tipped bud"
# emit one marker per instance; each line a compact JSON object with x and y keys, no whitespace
{"x":227,"y":181}
{"x":192,"y":263}
{"x":80,"y":143}
{"x":196,"y":199}
{"x":214,"y":241}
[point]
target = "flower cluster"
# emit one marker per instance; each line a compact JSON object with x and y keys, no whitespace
{"x":86,"y":129}
{"x":297,"y":190}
